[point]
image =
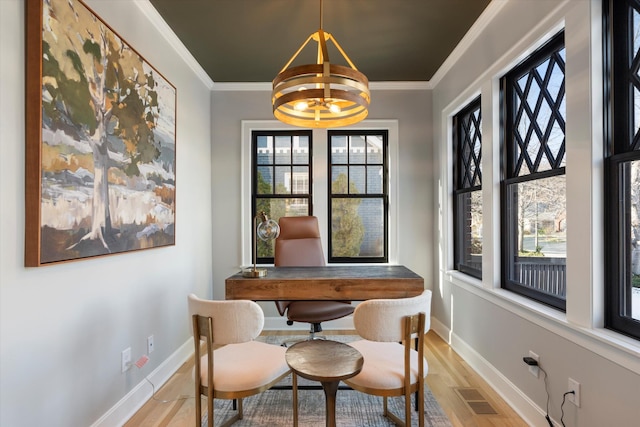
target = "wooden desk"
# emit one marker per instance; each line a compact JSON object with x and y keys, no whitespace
{"x":353,"y":283}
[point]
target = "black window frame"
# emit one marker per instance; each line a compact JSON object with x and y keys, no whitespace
{"x":511,"y":164}
{"x":384,"y":196}
{"x":622,"y":146}
{"x":467,"y":179}
{"x":255,"y":134}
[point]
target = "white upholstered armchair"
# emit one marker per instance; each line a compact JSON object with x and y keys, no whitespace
{"x":238,"y":366}
{"x":392,"y":367}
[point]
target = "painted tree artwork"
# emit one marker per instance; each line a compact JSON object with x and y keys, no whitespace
{"x":100,"y":140}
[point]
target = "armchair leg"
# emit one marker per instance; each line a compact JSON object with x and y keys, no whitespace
{"x":294,"y":386}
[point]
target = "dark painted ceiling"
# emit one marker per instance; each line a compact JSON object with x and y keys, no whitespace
{"x":388,"y":40}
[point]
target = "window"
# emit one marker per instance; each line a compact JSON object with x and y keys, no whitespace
{"x":467,"y":190}
{"x":622,"y":167}
{"x":533,"y":180}
{"x":358,"y":197}
{"x":281,"y":178}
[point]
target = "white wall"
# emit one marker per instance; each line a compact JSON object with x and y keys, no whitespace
{"x":491,"y":328}
{"x":63,"y":327}
{"x":412,"y":109}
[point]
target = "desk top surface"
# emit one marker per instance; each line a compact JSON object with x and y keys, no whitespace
{"x":355,"y":283}
{"x":353,"y":272}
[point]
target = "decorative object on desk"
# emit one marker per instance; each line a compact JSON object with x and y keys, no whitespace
{"x":100,"y":140}
{"x":267,"y":229}
{"x":320,"y":95}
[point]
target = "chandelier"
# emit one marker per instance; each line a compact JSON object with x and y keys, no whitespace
{"x":320,"y":95}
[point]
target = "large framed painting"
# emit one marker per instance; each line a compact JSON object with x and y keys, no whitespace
{"x":100,"y":140}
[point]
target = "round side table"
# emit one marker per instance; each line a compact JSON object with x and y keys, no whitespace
{"x":325,"y":361}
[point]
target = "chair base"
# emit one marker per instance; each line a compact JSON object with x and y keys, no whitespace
{"x":314,"y":328}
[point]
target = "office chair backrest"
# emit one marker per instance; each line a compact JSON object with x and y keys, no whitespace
{"x":382,"y":319}
{"x":233,"y":322}
{"x":299,"y":244}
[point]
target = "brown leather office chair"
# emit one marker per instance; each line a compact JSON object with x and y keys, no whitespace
{"x":299,"y":245}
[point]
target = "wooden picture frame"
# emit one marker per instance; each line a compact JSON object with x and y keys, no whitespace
{"x":100,"y":140}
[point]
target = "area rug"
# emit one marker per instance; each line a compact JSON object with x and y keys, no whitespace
{"x":353,"y":409}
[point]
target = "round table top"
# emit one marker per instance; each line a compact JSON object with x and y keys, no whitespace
{"x":324,"y":360}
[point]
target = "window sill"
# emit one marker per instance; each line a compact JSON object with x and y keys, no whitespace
{"x":613,"y":346}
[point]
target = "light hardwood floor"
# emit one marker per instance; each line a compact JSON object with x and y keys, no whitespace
{"x":174,"y":405}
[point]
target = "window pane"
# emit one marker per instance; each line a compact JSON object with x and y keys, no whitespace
{"x":356,"y":149}
{"x":469,"y":221}
{"x":300,"y":182}
{"x":283,"y":180}
{"x":265,"y":150}
{"x":339,"y":176}
{"x":339,"y":149}
{"x":357,"y":176}
{"x":283,"y":150}
{"x":538,"y":247}
{"x":538,"y":112}
{"x":633,"y":239}
{"x":357,"y":227}
{"x":300,"y":149}
{"x":374,"y":149}
{"x":265,"y":180}
{"x":374,"y":180}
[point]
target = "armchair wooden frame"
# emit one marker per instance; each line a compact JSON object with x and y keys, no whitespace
{"x":203,"y":327}
{"x":414,"y":329}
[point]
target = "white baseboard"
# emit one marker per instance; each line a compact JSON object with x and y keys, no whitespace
{"x":531,"y":413}
{"x":122,"y":411}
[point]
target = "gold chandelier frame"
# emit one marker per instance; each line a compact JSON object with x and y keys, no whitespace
{"x":320,"y":95}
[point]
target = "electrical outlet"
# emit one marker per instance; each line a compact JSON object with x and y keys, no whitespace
{"x":534,"y":370}
{"x":125,"y":359}
{"x":150,"y":345}
{"x":574,"y":386}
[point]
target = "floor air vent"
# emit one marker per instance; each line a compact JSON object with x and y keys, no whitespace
{"x":475,"y":401}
